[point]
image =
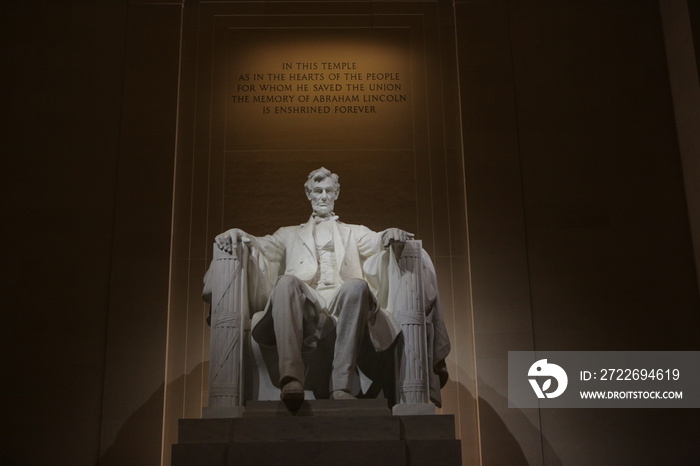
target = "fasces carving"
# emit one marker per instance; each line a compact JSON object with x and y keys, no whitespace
{"x":326,"y":284}
{"x":412,"y":367}
{"x":228,"y":321}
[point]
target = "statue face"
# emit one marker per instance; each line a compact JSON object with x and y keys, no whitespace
{"x":322,"y":196}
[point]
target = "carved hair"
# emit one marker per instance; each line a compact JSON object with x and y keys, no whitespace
{"x":319,"y":175}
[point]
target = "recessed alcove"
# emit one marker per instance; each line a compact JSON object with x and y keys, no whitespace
{"x":268,"y":93}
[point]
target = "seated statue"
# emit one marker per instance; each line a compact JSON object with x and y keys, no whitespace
{"x":324,"y":279}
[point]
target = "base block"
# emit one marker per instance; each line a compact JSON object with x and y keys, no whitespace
{"x":412,"y":409}
{"x":336,"y":453}
{"x":200,"y":454}
{"x":223,"y":413}
{"x":318,"y":408}
{"x":341,"y":433}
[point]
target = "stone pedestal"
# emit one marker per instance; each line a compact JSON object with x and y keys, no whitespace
{"x":353,"y":432}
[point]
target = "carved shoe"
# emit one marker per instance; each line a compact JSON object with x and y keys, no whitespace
{"x":292,"y":391}
{"x":341,"y":395}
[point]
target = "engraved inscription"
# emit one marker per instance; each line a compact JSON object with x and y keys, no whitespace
{"x":306,"y":88}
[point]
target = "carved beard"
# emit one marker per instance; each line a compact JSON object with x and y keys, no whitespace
{"x":322,"y":210}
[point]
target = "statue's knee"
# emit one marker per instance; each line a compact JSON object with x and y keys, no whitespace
{"x":356,"y":286}
{"x":286,"y":284}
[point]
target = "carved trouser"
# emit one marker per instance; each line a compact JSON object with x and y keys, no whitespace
{"x":352,"y":306}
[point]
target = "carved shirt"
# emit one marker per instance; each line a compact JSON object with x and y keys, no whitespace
{"x":327,"y":279}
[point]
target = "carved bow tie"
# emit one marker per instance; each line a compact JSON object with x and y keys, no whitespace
{"x":318,"y":219}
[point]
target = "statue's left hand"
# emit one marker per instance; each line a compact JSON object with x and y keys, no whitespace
{"x":395,"y":235}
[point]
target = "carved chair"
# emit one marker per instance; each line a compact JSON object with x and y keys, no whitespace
{"x":241,"y":370}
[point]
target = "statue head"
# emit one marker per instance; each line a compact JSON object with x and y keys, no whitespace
{"x":322,"y":189}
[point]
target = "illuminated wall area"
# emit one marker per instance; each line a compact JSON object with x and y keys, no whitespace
{"x":302,"y":98}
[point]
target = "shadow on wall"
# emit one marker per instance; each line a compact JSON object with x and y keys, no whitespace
{"x":501,"y":448}
{"x":135,"y":444}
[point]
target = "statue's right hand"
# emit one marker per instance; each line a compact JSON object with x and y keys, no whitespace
{"x":227,"y":239}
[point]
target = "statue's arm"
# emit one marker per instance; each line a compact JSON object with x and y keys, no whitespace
{"x":370,"y":242}
{"x":270,"y":246}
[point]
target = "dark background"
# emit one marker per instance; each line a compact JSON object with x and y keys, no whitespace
{"x":575,"y":196}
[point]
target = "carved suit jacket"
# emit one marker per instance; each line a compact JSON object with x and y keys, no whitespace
{"x":294,"y":249}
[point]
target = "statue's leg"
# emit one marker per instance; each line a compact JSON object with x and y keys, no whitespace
{"x":352,"y":306}
{"x":287,"y":305}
